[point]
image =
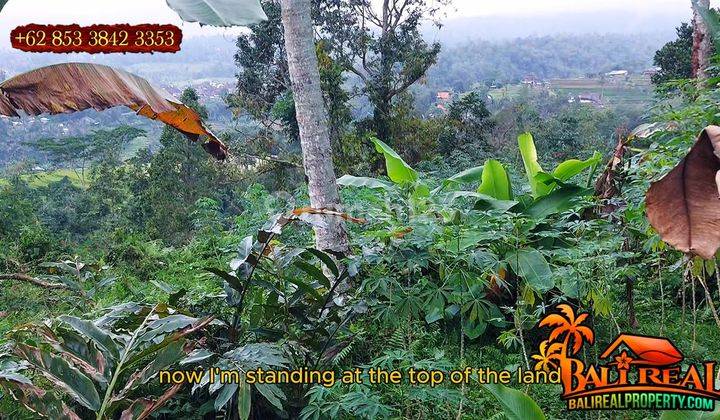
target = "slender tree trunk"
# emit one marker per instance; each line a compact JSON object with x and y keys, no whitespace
{"x":630,"y":297}
{"x":313,"y":120}
{"x":701,"y":40}
{"x":383,"y":95}
{"x":381,"y":120}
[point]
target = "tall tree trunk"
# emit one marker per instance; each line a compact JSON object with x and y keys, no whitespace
{"x":313,"y":120}
{"x":701,"y":40}
{"x":381,"y":120}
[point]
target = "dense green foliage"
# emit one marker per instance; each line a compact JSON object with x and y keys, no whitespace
{"x":467,"y":226}
{"x":674,"y":58}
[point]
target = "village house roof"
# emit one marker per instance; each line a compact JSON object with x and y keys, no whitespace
{"x":617,"y":73}
{"x":444,"y":95}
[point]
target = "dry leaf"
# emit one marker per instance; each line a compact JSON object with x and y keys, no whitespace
{"x":684,"y":206}
{"x":72,"y":87}
{"x":311,"y":211}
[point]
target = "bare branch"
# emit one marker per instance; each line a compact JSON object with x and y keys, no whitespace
{"x":32,"y":280}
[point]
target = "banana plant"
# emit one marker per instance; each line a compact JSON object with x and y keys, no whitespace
{"x":494,"y":197}
{"x":219,"y":12}
{"x":542,"y":183}
{"x":102,"y":365}
{"x":515,"y":404}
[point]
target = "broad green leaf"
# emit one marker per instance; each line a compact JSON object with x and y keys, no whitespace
{"x":515,"y":404}
{"x":361,"y":181}
{"x":474,"y":328}
{"x":572,"y":167}
{"x":158,"y":329}
{"x":691,"y":415}
{"x":272,"y":393}
{"x":231,"y":280}
{"x":226,"y":393}
{"x":326,"y":259}
{"x":305,"y":287}
{"x":58,"y":371}
{"x":398,"y":171}
{"x":495,"y":181}
{"x":46,"y":404}
{"x":468,"y":175}
{"x":455,"y":181}
{"x":2,"y":4}
{"x":464,"y":177}
{"x":164,"y":359}
{"x":421,"y":191}
{"x":255,"y":355}
{"x":532,"y":166}
{"x":313,"y":272}
{"x":219,"y":12}
{"x":483,"y":203}
{"x":197,"y":356}
{"x":244,"y":401}
{"x":532,"y":267}
{"x":244,"y":253}
{"x":558,"y":201}
{"x":434,"y":315}
{"x":85,"y":354}
{"x":90,"y":330}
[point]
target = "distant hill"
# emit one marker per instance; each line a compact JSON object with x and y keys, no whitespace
{"x":461,"y":30}
{"x":206,"y":57}
{"x":557,"y":56}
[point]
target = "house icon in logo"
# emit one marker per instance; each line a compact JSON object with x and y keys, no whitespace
{"x":648,"y":351}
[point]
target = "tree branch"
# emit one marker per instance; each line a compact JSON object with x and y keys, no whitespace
{"x":32,"y":280}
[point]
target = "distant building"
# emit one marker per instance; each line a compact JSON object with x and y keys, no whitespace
{"x":652,"y":71}
{"x":443,"y":98}
{"x":531,"y":80}
{"x":617,"y":73}
{"x":594,"y":99}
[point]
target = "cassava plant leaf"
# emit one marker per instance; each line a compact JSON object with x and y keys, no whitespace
{"x":72,"y":87}
{"x":683,"y":206}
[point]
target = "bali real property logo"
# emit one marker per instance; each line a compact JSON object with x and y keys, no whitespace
{"x":639,"y":373}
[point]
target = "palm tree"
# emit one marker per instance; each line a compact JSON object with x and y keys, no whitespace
{"x":549,"y":356}
{"x":571,"y":327}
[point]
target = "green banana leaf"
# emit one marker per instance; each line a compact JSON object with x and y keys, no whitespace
{"x":495,"y":181}
{"x":219,"y":12}
{"x":515,"y":404}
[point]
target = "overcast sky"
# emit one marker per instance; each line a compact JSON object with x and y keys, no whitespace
{"x":18,"y":12}
{"x":545,"y":7}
